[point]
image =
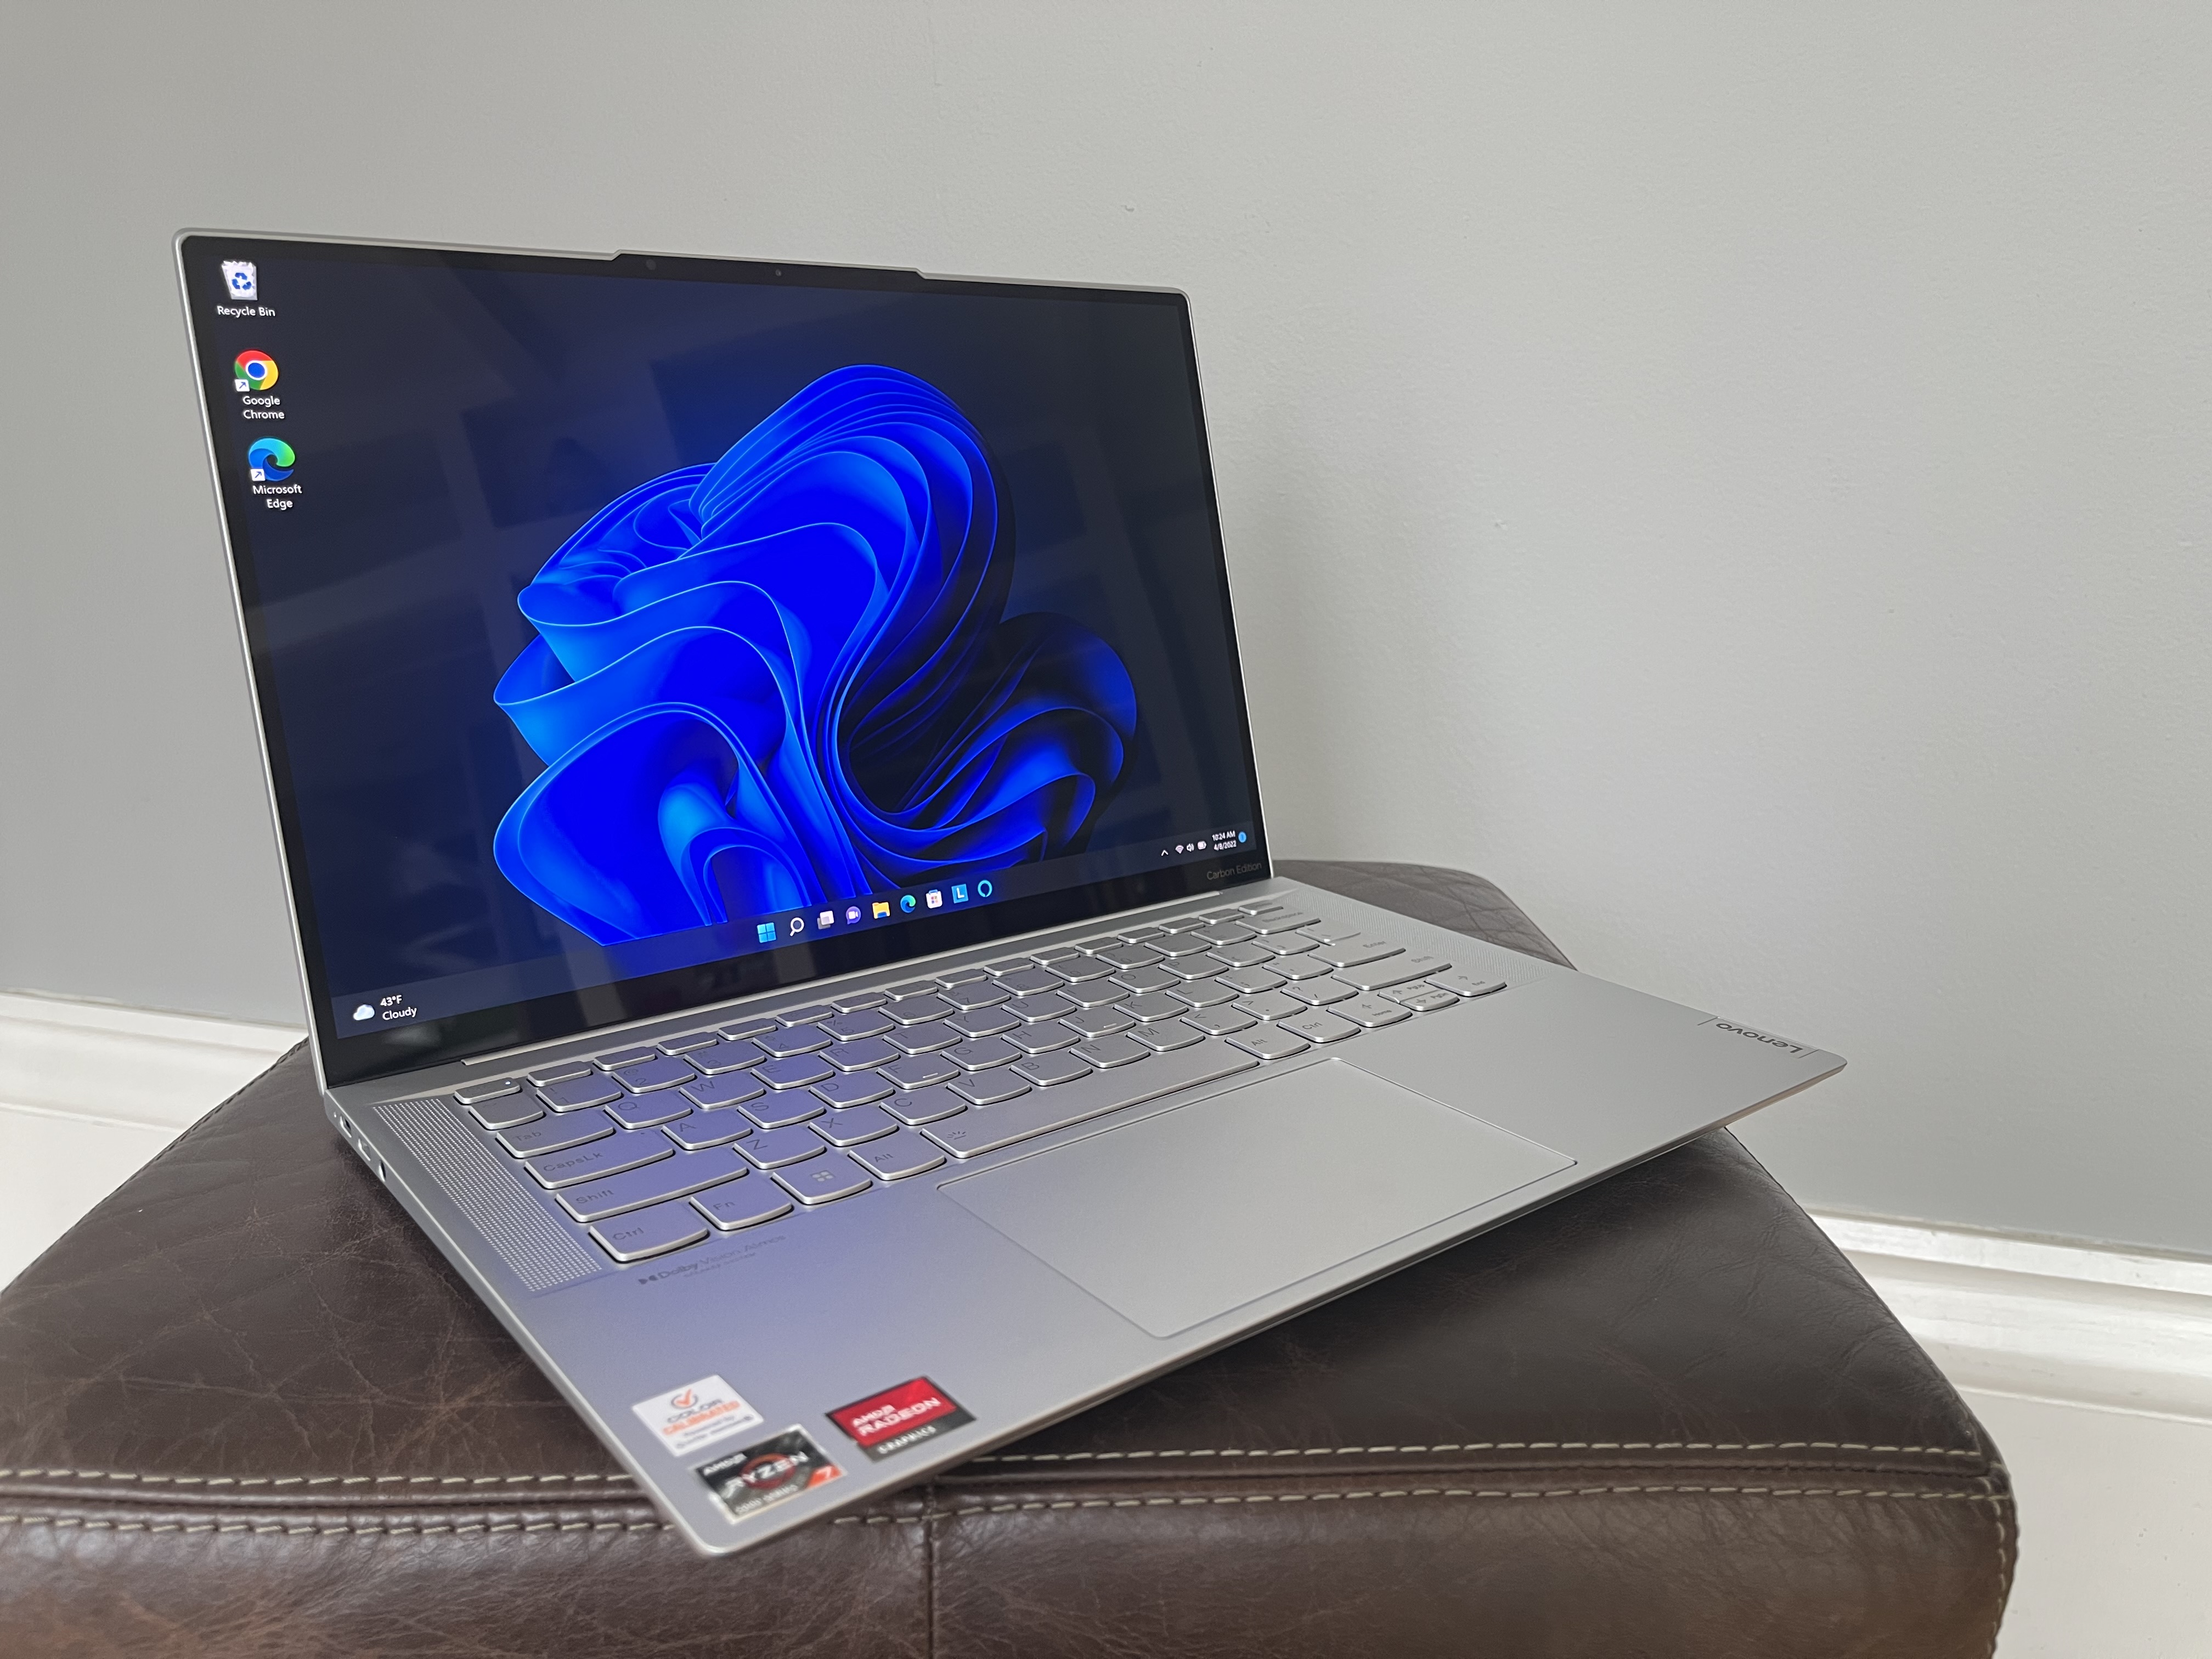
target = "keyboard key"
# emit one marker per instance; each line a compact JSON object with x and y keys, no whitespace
{"x":592,"y":1090}
{"x":656,"y":1183}
{"x":974,"y":1134}
{"x":626,"y":1057}
{"x":630,"y":1149}
{"x":562,"y":1072}
{"x":1145,"y":981}
{"x":1245,"y":956}
{"x":1044,"y":1038}
{"x":1198,"y":967}
{"x":1271,"y":1042}
{"x":926,"y":1039}
{"x":1218,"y":1022}
{"x":707,"y":1129}
{"x":1079,"y":970}
{"x":1303,"y":965}
{"x":1421,"y":997}
{"x":470,"y":1093}
{"x":1229,"y":932}
{"x":983,"y":1053}
{"x":1372,"y":1011}
{"x":850,"y":1128}
{"x":1226,"y":911}
{"x":812,"y":1013}
{"x":643,"y":1111}
{"x":726,"y":1056}
{"x":1129,"y":956}
{"x":1393,"y":970}
{"x":1167,"y":1034}
{"x":1249,"y":982}
{"x":776,"y":1111}
{"x":897,"y":1157}
{"x":1280,"y":922}
{"x":919,"y":1071}
{"x":1097,"y":1021}
{"x":1053,"y":953}
{"x":794,"y":1040}
{"x":795,"y":1073}
{"x":1152,"y":1006}
{"x":1092,"y":994}
{"x":853,"y":1089}
{"x":1007,"y":964}
{"x":1327,"y":929}
{"x":1466,"y":984}
{"x":554,"y":1135}
{"x":853,"y":1001}
{"x":1319,"y":993}
{"x":917,"y":1010}
{"x":750,"y":1027}
{"x":778,"y":1147}
{"x":913,"y":987}
{"x":861,"y":1055}
{"x":976,"y":994}
{"x":1181,"y":944}
{"x":824,"y":1183}
{"x":743,"y":1204}
{"x":1271,"y":1004}
{"x":1203,"y":994}
{"x":1360,"y":949}
{"x":984,"y":1022}
{"x":711,"y":1094}
{"x":1317,"y":1025}
{"x":985,"y":1088}
{"x":928,"y":1105}
{"x":1108,"y":1052}
{"x":1043,"y":1006}
{"x":505,"y":1114}
{"x":1026,"y":981}
{"x":851,"y":1028}
{"x":952,"y":976}
{"x":1050,"y":1071}
{"x":1139,"y":935}
{"x":687,"y":1042}
{"x":1288,"y":944}
{"x":646,"y":1233}
{"x":659,"y":1072}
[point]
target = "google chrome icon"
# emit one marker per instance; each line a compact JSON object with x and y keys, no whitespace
{"x":269,"y":459}
{"x":254,"y":371}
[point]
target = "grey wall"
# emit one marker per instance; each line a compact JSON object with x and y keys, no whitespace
{"x":1757,"y":457}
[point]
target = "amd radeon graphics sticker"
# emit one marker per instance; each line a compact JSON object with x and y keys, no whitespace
{"x":750,"y":1480}
{"x":888,"y":1423}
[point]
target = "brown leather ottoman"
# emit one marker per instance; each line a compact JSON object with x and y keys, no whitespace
{"x":244,"y":1410}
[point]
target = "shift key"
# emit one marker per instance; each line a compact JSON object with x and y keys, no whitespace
{"x":987,"y":1129}
{"x":631,"y":1148}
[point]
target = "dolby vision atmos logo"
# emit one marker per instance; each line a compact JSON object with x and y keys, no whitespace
{"x":267,"y":460}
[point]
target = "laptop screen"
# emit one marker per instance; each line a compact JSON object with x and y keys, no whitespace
{"x":634,"y":634}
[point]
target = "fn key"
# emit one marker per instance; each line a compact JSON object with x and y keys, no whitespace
{"x":656,"y":1232}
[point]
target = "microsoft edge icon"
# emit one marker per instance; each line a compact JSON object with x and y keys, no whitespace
{"x":267,"y":460}
{"x":905,"y":902}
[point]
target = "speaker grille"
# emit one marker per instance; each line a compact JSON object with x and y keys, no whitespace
{"x":542,"y":1253}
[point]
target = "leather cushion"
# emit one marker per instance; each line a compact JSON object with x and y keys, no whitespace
{"x":245,"y":1409}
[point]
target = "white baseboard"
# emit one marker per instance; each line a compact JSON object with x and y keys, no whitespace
{"x":2006,"y":1313}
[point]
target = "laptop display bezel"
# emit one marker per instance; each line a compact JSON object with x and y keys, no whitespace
{"x":344,"y":1058}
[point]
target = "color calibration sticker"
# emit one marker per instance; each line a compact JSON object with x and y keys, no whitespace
{"x":890,"y":1422}
{"x":696,"y":1415}
{"x":750,"y":1480}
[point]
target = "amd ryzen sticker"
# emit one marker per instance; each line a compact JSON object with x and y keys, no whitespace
{"x":768,"y":1472}
{"x":898,"y":1418}
{"x":697,"y":1414}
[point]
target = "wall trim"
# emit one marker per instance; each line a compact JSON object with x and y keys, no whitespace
{"x":2044,"y":1318}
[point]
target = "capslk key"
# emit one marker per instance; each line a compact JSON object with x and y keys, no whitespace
{"x":632,"y":1149}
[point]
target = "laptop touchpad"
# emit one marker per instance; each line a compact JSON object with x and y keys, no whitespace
{"x":1175,"y":1219}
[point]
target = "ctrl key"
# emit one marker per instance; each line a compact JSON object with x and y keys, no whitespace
{"x":651,"y":1232}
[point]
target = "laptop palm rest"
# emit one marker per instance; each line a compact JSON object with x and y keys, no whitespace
{"x":1175,"y":1219}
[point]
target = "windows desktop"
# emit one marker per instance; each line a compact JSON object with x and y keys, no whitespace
{"x":615,"y":620}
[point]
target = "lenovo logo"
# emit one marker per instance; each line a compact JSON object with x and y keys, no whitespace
{"x":1767,"y":1037}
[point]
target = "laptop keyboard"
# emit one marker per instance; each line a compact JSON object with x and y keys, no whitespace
{"x":654,"y":1148}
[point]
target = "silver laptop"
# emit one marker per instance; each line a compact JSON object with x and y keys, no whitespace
{"x":765,"y":787}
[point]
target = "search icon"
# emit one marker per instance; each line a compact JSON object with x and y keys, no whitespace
{"x":799,"y":924}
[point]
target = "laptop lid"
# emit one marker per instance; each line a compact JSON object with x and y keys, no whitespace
{"x":630,"y":634}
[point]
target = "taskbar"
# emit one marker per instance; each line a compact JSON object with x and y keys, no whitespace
{"x":584,"y":965}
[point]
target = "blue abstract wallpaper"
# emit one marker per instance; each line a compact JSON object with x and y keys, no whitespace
{"x":787,"y":678}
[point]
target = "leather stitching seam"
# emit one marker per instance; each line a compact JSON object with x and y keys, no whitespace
{"x":1478,"y":1445}
{"x":296,"y":1529}
{"x":2000,"y":1503}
